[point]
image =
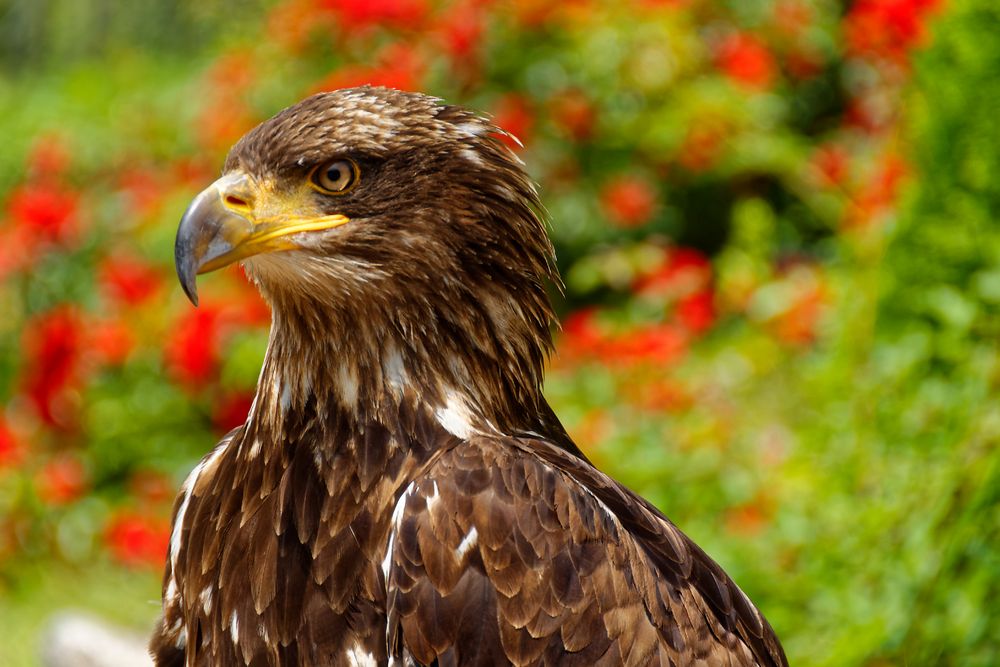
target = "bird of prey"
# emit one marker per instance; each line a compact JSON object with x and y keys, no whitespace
{"x":401,"y":493}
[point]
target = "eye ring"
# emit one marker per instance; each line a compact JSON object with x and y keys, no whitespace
{"x":335,"y":177}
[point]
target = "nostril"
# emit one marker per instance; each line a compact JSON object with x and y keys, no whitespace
{"x":237,"y":202}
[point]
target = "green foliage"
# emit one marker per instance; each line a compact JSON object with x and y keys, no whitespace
{"x":776,"y":229}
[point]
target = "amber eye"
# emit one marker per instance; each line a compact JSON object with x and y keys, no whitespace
{"x":335,"y":177}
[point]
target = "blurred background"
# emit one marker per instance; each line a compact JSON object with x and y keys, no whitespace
{"x":776,"y":221}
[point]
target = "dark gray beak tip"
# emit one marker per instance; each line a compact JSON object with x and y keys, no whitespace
{"x":184,"y":258}
{"x":187,"y":272}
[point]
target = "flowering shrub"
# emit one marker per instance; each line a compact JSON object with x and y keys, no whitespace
{"x":723,"y":179}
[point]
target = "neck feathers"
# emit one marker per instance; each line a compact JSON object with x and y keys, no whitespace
{"x":477,"y":370}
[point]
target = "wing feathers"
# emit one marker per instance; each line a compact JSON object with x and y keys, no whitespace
{"x":554,"y":572}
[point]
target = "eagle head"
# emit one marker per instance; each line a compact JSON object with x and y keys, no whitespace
{"x":380,"y":222}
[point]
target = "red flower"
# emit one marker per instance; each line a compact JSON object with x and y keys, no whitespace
{"x":400,"y":67}
{"x":17,"y":249}
{"x":701,"y":146}
{"x":61,"y":481}
{"x":111,"y":341}
{"x":461,"y":28}
{"x":49,"y":212}
{"x":574,"y":114}
{"x":129,"y":280}
{"x":192,"y":350}
{"x":151,"y":487}
{"x":797,"y":323}
{"x":223,"y":121}
{"x":830,"y":165}
{"x":144,"y":189}
{"x":886,"y":28}
{"x":291,"y":24}
{"x":746,"y":60}
{"x":248,"y":307}
{"x":657,"y":344}
{"x":366,"y":13}
{"x":11,"y":447}
{"x":581,"y":334}
{"x":792,"y":17}
{"x":628,"y":201}
{"x":231,"y":411}
{"x":683,"y":272}
{"x":233,"y":72}
{"x":53,"y":342}
{"x":49,"y":157}
{"x":879,"y":194}
{"x":664,"y":396}
{"x":749,"y":518}
{"x":137,"y":539}
{"x":696,"y":311}
{"x":512,"y":114}
{"x":804,"y":62}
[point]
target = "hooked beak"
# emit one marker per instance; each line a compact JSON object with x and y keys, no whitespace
{"x":230,"y":221}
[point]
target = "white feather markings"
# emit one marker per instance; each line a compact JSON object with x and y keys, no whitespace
{"x":206,"y":599}
{"x":207,"y":463}
{"x":433,"y":499}
{"x":358,"y":657}
{"x":397,"y":521}
{"x":455,"y":416}
{"x":171,"y":595}
{"x":467,"y":543}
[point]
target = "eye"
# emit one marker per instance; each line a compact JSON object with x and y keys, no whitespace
{"x":336,"y":177}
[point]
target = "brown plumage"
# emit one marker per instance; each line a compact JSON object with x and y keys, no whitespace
{"x":401,"y":493}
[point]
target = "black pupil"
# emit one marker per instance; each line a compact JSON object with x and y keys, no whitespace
{"x":333,"y":174}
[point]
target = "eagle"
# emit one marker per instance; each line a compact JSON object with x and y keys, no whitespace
{"x":401,"y":492}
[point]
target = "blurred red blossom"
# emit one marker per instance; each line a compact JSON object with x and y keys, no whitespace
{"x":231,"y":410}
{"x":696,"y":312}
{"x":16,"y":250}
{"x":682,"y":272}
{"x":702,"y":144}
{"x":151,"y":487}
{"x":126,"y":279}
{"x":628,"y":201}
{"x":662,"y":395}
{"x":49,"y":157}
{"x":233,"y":72}
{"x":662,"y":343}
{"x":12,"y":450}
{"x":53,"y":344}
{"x":797,"y":322}
{"x":355,"y":14}
{"x":746,"y":60}
{"x":830,"y":165}
{"x":804,"y":62}
{"x":792,"y":17}
{"x":247,"y":307}
{"x":887,"y":28}
{"x":879,"y":193}
{"x":111,"y":341}
{"x":574,"y":114}
{"x":47,"y":211}
{"x":61,"y":481}
{"x":137,"y":539}
{"x":461,"y":27}
{"x":749,"y":518}
{"x":399,"y":66}
{"x":581,"y":333}
{"x":223,"y":121}
{"x":290,"y":24}
{"x":144,"y":189}
{"x":191,"y":352}
{"x":512,"y":114}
